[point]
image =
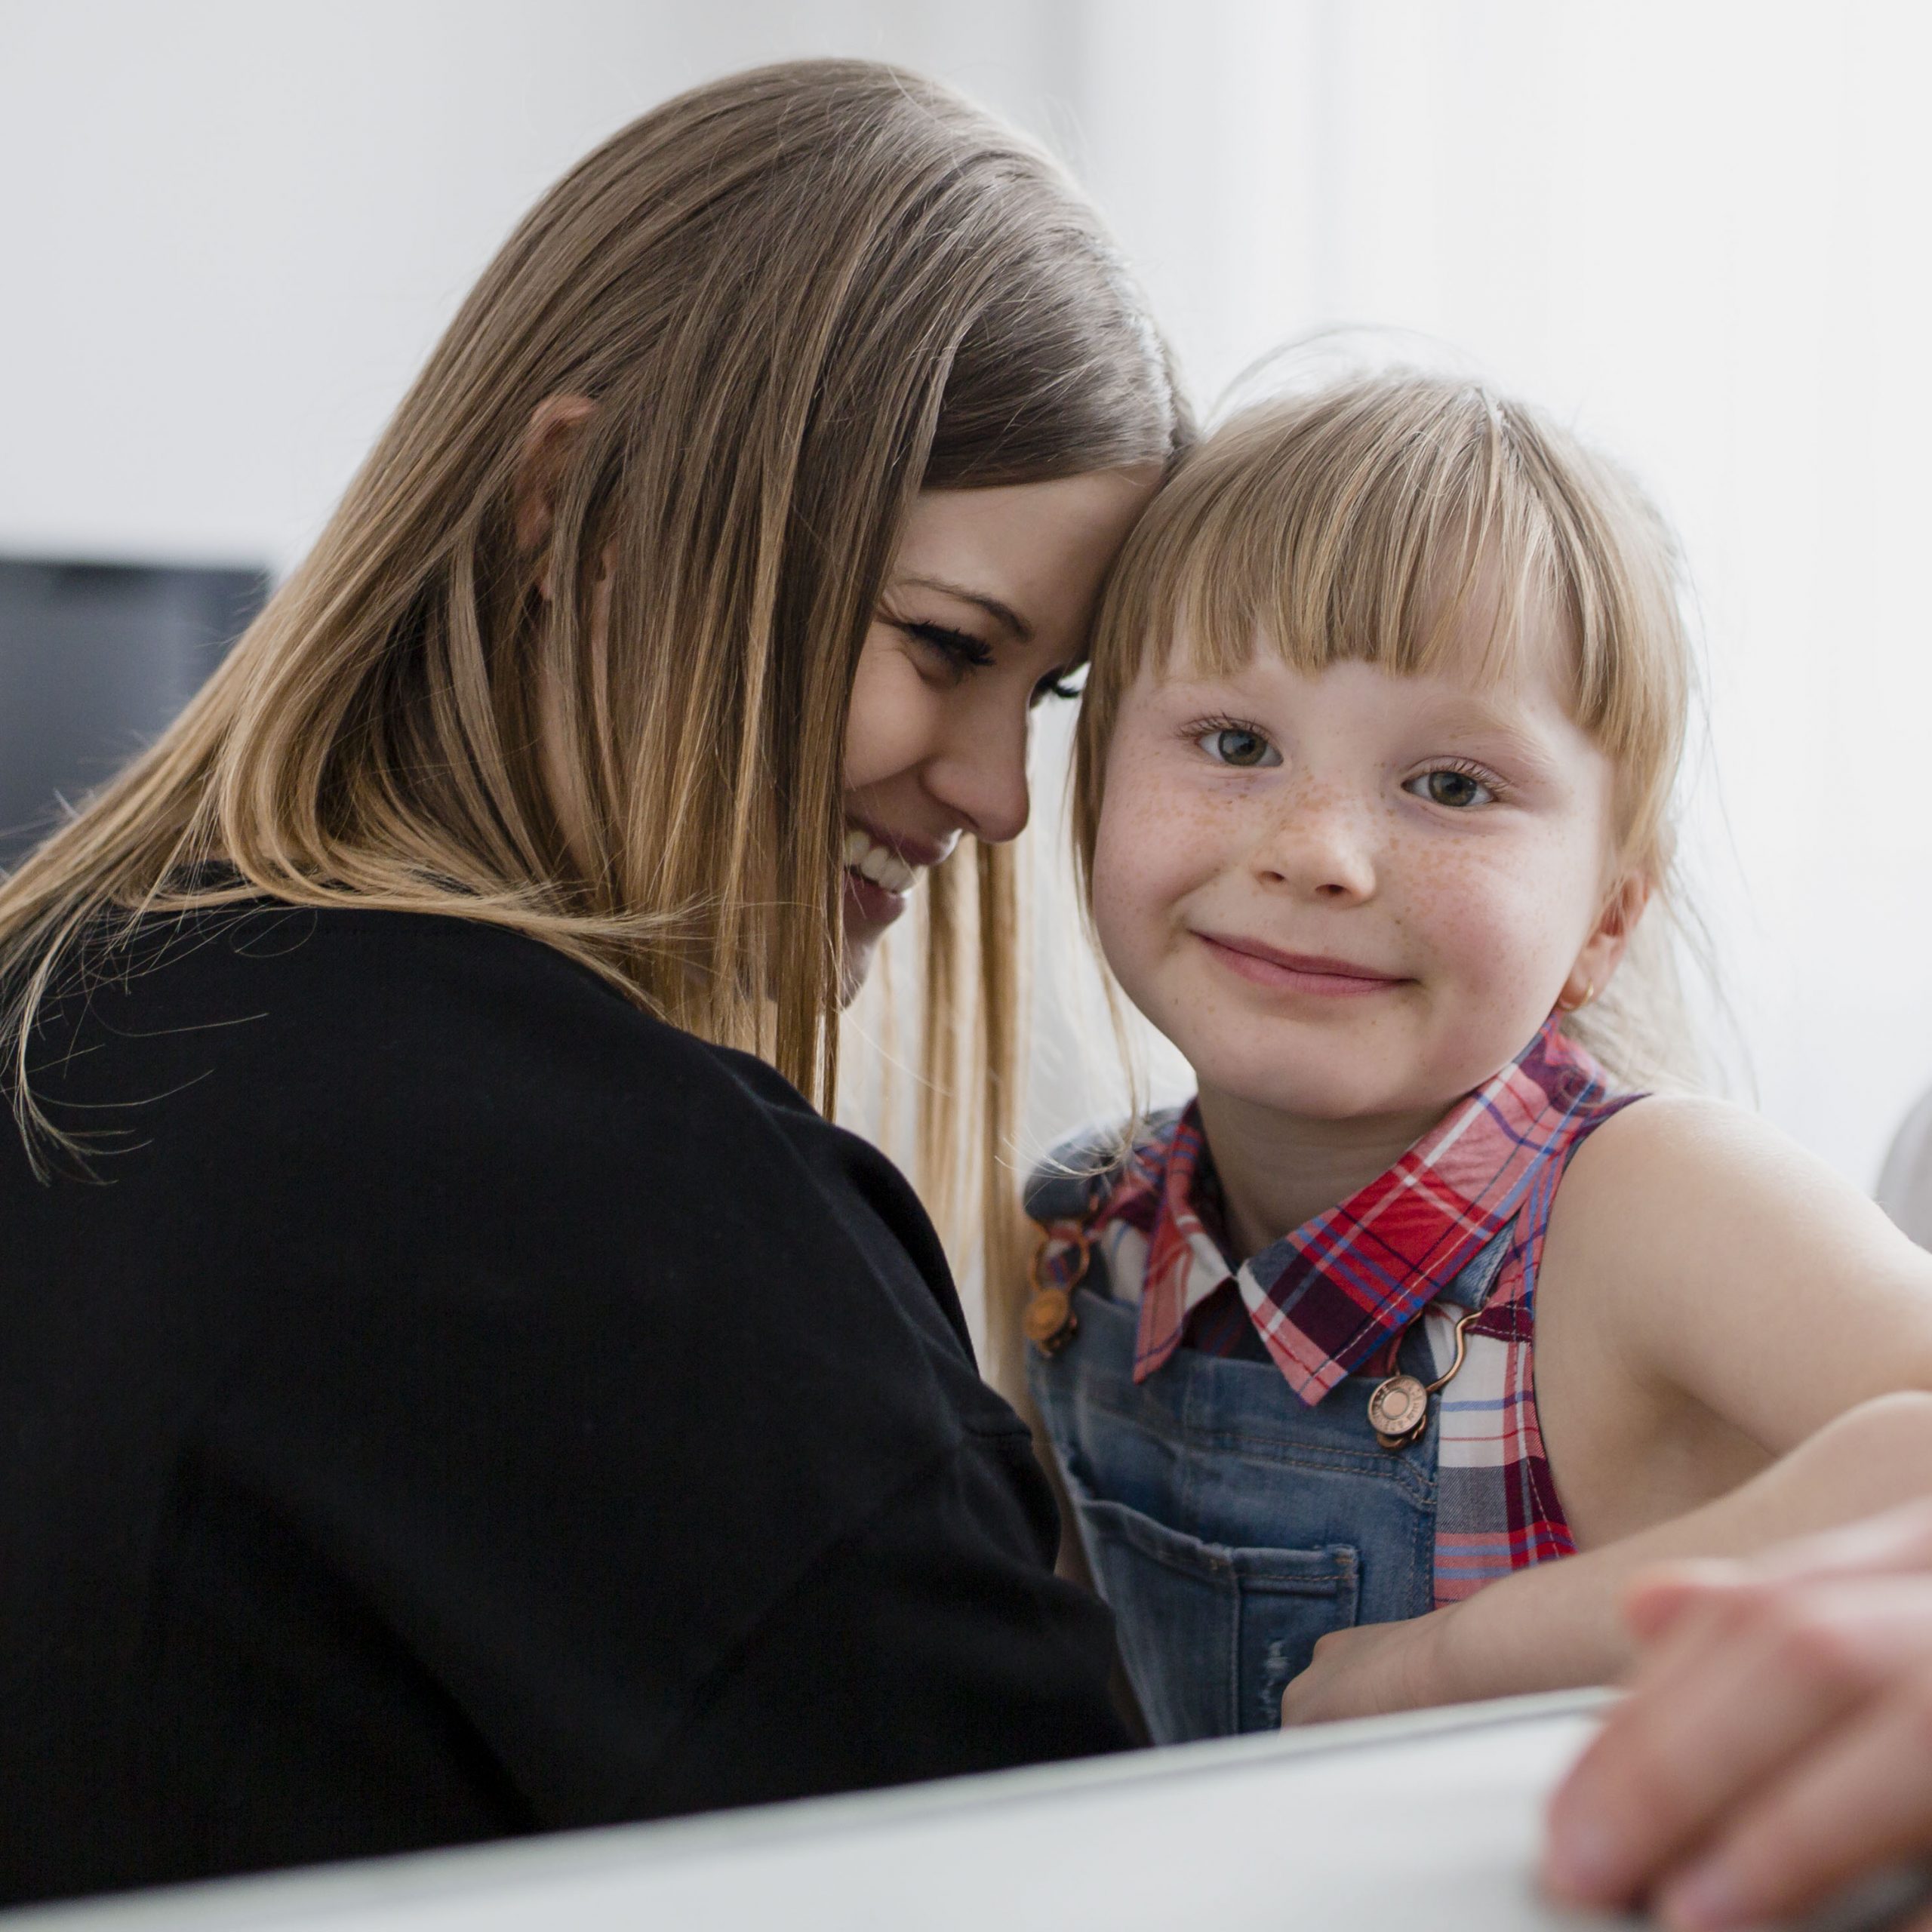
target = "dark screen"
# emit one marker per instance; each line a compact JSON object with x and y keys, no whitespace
{"x":95,"y":660}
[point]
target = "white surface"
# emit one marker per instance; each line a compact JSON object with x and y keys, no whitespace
{"x":1425,"y":1824}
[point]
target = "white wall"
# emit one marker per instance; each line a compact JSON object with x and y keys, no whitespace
{"x":232,"y":230}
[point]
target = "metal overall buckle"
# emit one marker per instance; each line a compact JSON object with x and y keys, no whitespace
{"x":1050,"y":1321}
{"x":1398,"y":1408}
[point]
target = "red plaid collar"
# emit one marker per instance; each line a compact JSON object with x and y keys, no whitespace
{"x":1326,"y":1297}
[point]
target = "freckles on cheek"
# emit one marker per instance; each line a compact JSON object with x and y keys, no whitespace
{"x":1498,"y":922}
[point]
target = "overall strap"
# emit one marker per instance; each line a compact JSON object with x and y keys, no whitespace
{"x":1474,"y":1285}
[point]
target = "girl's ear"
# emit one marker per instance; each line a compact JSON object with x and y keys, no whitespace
{"x":1606,"y":946}
{"x":548,"y":444}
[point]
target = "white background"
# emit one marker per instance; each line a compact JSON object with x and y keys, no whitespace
{"x":229,"y":232}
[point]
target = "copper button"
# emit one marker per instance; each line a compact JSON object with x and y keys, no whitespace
{"x":1398,"y":1409}
{"x":1049,"y":1318}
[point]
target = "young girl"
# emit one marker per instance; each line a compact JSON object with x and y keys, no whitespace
{"x":1387,"y":699}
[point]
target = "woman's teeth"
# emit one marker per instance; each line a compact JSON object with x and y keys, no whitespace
{"x":866,"y":856}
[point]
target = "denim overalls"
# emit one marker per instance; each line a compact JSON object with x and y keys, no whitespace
{"x":1298,"y":1522}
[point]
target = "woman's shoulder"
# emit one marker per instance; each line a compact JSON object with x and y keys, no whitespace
{"x":404,"y":1007}
{"x":333,"y":1049}
{"x":443,"y":1102}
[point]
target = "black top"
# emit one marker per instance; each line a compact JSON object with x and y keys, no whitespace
{"x":461,"y":1406}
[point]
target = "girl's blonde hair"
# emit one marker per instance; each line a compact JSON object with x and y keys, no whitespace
{"x":1391,"y":518}
{"x":792,"y":298}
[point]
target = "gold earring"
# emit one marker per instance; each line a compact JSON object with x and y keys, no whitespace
{"x":1577,"y":1005}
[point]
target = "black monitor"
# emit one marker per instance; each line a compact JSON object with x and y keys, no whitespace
{"x":95,"y":660}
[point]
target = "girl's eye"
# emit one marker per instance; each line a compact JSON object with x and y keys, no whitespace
{"x":1237,"y":746}
{"x":961,"y":650}
{"x":1446,"y":785}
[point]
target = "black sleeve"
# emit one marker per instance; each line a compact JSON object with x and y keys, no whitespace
{"x":598,"y":1450}
{"x":918,"y":1648}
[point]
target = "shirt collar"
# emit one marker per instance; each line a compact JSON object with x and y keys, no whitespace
{"x":1325,"y":1297}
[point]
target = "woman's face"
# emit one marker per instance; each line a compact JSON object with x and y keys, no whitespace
{"x":986,"y":606}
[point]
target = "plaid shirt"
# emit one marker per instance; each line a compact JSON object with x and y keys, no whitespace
{"x":1335,"y":1297}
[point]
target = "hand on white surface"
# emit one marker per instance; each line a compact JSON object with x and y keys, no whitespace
{"x":1777,"y":1741}
{"x":1371,"y":1669}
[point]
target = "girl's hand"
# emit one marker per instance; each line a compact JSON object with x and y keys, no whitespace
{"x":1373,"y":1669}
{"x":1777,"y":1742}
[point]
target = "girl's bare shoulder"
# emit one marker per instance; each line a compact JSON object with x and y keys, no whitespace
{"x":1705,"y":1242}
{"x":1697,"y":1151}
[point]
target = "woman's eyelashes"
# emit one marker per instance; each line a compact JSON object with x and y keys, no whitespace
{"x":960,"y":651}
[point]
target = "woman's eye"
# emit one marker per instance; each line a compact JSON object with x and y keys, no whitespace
{"x":1447,"y":786}
{"x":961,"y":650}
{"x":1235,"y":745}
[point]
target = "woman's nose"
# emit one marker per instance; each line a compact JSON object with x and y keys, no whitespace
{"x":1321,"y":848}
{"x":979,"y":776}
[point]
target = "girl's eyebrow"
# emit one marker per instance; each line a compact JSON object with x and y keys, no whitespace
{"x":1001,"y":613}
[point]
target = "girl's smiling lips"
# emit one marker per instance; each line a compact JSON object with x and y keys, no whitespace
{"x":1266,"y":965}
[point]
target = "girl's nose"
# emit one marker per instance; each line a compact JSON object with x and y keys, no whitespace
{"x":979,"y":776}
{"x":1320,"y":851}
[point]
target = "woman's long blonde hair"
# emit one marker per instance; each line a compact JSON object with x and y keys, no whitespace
{"x":1370,"y":517}
{"x":793,"y":298}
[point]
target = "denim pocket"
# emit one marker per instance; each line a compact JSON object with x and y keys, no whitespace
{"x":1211,"y":1635}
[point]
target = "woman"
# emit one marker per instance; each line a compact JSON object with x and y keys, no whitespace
{"x":456,"y":1384}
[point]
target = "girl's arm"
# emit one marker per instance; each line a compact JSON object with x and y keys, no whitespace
{"x":1558,"y":1625}
{"x":1718,"y":1261}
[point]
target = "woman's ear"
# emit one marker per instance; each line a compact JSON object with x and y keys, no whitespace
{"x":547,"y":445}
{"x":1606,"y":944}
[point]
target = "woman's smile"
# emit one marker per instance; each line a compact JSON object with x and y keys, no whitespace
{"x":882,"y":867}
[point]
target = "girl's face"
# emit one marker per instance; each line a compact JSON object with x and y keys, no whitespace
{"x":985,"y":608}
{"x":1349,"y":894}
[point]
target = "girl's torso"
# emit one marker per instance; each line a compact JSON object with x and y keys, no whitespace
{"x":1234,"y":1496}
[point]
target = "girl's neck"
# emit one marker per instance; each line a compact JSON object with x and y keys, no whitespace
{"x":1278,"y":1170}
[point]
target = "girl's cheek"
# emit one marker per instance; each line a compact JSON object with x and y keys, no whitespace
{"x":1487,"y":915}
{"x":1508,"y":929}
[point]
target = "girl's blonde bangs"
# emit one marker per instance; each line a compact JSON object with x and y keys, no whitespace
{"x":1420,"y":525}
